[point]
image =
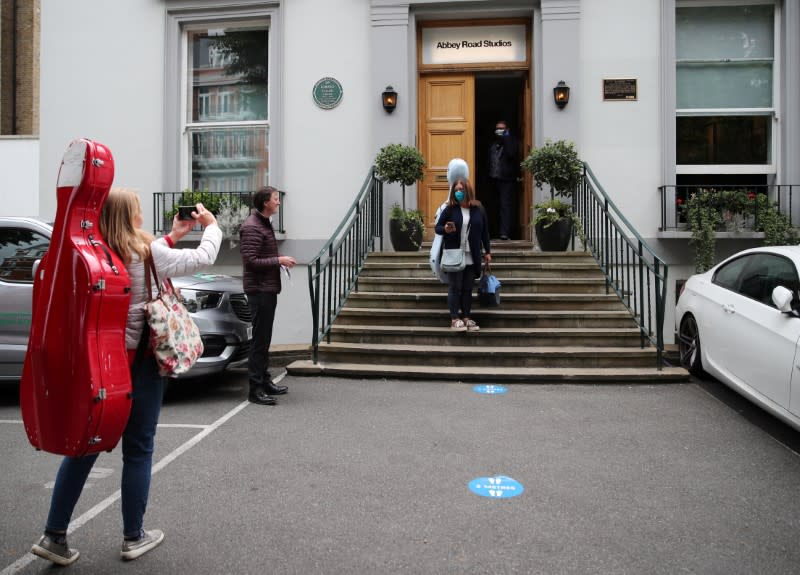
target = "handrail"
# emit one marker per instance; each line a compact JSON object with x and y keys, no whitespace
{"x":334,"y":272}
{"x":632,"y":269}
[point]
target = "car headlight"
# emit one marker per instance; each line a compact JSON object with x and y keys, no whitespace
{"x":195,"y":299}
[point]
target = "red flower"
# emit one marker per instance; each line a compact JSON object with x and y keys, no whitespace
{"x":751,"y":196}
{"x":679,"y":201}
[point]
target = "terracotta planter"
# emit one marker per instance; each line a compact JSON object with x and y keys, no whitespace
{"x":408,"y":240}
{"x":556,"y":237}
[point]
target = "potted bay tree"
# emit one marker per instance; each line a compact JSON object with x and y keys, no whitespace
{"x":402,"y":164}
{"x":557,"y":165}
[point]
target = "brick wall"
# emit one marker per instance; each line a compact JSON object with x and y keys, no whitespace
{"x":19,"y":55}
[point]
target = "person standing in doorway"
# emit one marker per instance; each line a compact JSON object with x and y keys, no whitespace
{"x":503,"y":167}
{"x":262,"y":265}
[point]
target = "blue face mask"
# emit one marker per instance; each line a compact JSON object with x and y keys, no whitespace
{"x":459,"y":196}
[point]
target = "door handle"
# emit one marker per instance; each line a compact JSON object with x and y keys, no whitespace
{"x":728,"y":308}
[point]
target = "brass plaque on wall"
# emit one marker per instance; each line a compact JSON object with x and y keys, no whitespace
{"x":619,"y":89}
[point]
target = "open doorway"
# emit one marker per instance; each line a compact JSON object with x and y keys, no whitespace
{"x":499,"y":96}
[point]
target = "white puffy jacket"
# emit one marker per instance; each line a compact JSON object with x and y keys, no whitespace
{"x":169,"y":262}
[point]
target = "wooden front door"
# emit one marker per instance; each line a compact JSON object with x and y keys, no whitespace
{"x":447,"y":131}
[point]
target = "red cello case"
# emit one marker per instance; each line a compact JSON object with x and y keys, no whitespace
{"x":75,"y":391}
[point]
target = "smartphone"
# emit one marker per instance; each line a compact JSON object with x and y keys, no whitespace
{"x":185,"y":212}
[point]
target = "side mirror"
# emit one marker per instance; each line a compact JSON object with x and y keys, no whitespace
{"x":782,"y":298}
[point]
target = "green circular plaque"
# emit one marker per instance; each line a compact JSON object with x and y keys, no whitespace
{"x":327,"y":93}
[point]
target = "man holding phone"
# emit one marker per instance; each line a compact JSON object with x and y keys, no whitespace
{"x":262,"y":265}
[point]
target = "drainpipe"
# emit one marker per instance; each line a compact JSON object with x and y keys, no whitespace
{"x":14,"y":67}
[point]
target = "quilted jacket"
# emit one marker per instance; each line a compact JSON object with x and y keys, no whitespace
{"x":259,"y":249}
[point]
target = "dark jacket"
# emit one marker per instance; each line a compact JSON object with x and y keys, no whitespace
{"x":478,"y":232}
{"x":259,"y":249}
{"x":503,"y":164}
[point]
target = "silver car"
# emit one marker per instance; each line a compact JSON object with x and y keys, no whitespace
{"x":217,"y":303}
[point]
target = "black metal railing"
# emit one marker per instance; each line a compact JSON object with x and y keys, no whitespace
{"x":233,"y":205}
{"x":737,"y":204}
{"x":334,"y":272}
{"x":632,"y":269}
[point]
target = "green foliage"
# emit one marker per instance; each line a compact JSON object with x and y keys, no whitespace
{"x":555,"y":164}
{"x":399,"y":163}
{"x":210,"y":200}
{"x":777,"y":228}
{"x":703,"y":217}
{"x":411,"y":221}
{"x":552,"y":211}
{"x":708,"y":210}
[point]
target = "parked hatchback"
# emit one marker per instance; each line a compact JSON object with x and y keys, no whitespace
{"x":217,"y":303}
{"x":739,"y":322}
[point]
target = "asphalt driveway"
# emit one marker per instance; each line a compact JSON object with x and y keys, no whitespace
{"x":371,"y":476}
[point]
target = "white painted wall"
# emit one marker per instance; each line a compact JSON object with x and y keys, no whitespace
{"x":102,"y":77}
{"x":621,"y":141}
{"x":327,"y":152}
{"x":19,"y":166}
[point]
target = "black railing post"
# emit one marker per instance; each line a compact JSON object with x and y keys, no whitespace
{"x":659,"y":313}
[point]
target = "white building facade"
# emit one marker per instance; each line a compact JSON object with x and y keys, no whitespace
{"x":219,"y":96}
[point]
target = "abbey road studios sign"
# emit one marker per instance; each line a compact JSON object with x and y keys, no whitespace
{"x":327,"y":93}
{"x":474,"y":44}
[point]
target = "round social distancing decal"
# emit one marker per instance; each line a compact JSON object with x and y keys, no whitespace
{"x":496,"y":487}
{"x":489,"y":389}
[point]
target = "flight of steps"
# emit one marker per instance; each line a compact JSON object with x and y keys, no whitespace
{"x":555,"y":323}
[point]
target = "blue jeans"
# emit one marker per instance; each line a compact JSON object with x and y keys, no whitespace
{"x":137,"y":458}
{"x":459,"y":291}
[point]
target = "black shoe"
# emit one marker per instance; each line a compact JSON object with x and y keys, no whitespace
{"x":273,"y":389}
{"x":260,"y":397}
{"x":503,"y":237}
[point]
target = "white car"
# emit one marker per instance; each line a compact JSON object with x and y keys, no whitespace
{"x":740,"y":322}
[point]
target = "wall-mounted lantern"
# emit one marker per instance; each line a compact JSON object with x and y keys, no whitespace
{"x":389,"y":99}
{"x":561,"y":94}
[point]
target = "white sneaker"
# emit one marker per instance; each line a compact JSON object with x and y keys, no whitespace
{"x":149,"y":540}
{"x":58,"y":553}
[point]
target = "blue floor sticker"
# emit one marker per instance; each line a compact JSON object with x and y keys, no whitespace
{"x":496,"y":487}
{"x":489,"y":389}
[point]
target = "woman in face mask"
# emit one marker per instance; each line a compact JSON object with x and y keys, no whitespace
{"x":463,"y":222}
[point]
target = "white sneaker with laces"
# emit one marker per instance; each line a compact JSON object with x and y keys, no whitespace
{"x":148,"y":541}
{"x":58,"y":553}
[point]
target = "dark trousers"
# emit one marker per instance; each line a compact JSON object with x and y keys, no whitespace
{"x":459,"y":291}
{"x":262,"y":308}
{"x":505,"y":209}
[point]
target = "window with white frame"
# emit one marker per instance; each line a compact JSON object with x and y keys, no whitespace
{"x":227,"y":95}
{"x":726,"y":73}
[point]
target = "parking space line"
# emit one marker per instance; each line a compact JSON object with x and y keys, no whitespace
{"x":22,"y":562}
{"x":182,"y":425}
{"x":11,"y":421}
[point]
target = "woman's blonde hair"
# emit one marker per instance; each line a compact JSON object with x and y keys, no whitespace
{"x":118,"y":225}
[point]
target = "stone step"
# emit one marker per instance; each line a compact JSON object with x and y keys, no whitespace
{"x":488,"y":317}
{"x":594,"y":285}
{"x":498,"y":256}
{"x":509,"y":301}
{"x":422,"y":269}
{"x":491,"y":337}
{"x":530,"y":375}
{"x":451,"y":356}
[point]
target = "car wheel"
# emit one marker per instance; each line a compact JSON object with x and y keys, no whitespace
{"x":689,"y":346}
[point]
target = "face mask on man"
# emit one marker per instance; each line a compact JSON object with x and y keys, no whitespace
{"x":459,"y":196}
{"x":499,"y":132}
